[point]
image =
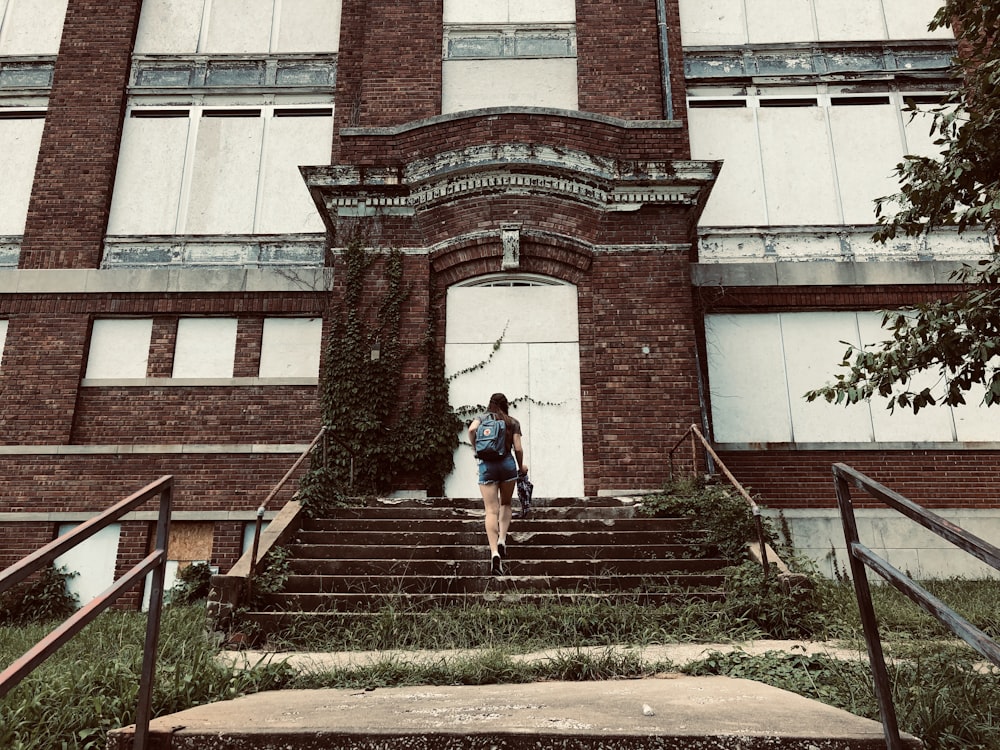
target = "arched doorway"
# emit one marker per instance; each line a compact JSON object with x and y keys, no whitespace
{"x":519,"y":334}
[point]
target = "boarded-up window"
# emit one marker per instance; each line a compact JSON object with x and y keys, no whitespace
{"x":761,"y":365}
{"x":290,"y":347}
{"x":119,"y":348}
{"x":20,"y":137}
{"x":238,"y":26}
{"x":219,"y":171}
{"x":31,"y":27}
{"x":206,"y":348}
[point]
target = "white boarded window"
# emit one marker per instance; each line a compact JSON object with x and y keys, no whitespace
{"x":20,"y":138}
{"x":119,"y":348}
{"x":31,"y":27}
{"x":737,"y":22}
{"x":761,"y":365}
{"x":290,"y":347}
{"x":238,"y":26}
{"x":93,"y":560}
{"x":510,"y":53}
{"x":802,"y":160}
{"x":205,"y":348}
{"x":3,"y":339}
{"x":219,"y":171}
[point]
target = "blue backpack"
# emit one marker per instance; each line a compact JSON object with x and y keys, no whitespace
{"x":491,"y":438}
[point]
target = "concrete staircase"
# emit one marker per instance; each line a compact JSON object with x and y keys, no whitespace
{"x":414,"y":555}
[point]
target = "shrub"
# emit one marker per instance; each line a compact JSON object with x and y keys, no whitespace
{"x":41,"y":598}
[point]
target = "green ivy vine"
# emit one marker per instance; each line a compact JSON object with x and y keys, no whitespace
{"x":377,"y":435}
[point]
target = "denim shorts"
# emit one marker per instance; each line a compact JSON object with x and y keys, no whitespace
{"x":504,"y":470}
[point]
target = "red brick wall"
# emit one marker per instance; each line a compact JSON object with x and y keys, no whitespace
{"x":618,"y":59}
{"x":78,"y":157}
{"x":935,"y":478}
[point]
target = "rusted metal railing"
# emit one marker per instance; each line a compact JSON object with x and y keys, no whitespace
{"x":695,"y":436}
{"x":271,"y":495}
{"x":154,"y":562}
{"x":861,"y":557}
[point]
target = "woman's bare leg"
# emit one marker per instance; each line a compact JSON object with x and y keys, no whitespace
{"x":504,"y":515}
{"x":491,"y":503}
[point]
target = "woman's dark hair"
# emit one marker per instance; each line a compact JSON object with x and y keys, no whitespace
{"x":498,"y":404}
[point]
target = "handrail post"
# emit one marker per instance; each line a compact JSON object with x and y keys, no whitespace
{"x":153,"y":620}
{"x":761,"y":541}
{"x":256,"y":545}
{"x":862,"y":591}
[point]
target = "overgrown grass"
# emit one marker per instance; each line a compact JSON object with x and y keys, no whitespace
{"x":90,"y":686}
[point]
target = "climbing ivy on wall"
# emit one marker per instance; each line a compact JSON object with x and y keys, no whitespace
{"x":377,"y":434}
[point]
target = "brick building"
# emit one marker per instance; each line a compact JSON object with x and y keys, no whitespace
{"x":663,"y":211}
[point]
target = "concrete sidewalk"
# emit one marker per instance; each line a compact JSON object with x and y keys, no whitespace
{"x":677,"y":654}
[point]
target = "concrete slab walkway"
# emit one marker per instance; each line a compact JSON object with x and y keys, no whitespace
{"x":706,"y":713}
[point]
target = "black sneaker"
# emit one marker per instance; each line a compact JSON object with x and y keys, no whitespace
{"x":496,"y":567}
{"x":502,"y":550}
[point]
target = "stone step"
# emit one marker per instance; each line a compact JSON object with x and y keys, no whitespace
{"x":309,"y":592}
{"x":354,"y":551}
{"x":472,"y":564}
{"x":472,"y":536}
{"x":496,"y":593}
{"x":475,"y":523}
{"x":475,"y":510}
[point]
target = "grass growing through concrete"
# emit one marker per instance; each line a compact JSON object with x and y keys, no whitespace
{"x":942,"y":695}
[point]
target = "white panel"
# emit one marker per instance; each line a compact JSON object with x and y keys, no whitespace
{"x":224,"y":183}
{"x":908,"y":19}
{"x":866,"y":142}
{"x":290,"y":347}
{"x":534,"y":11}
{"x":842,"y":20}
{"x":780,"y":21}
{"x":150,"y":172}
{"x":169,"y":26}
{"x":931,"y":424}
{"x":3,"y":338}
{"x":239,"y":26}
{"x":746,"y":379}
{"x":485,"y":314}
{"x":474,"y":84}
{"x":813,"y":349}
{"x":713,"y":22}
{"x":94,"y":561}
{"x":119,"y":348}
{"x":917,"y":127}
{"x":32,"y":27}
{"x":975,"y":422}
{"x":206,"y":348}
{"x":19,"y":142}
{"x":737,"y":198}
{"x":554,"y":428}
{"x":798,"y":173}
{"x":309,"y":26}
{"x":292,"y":142}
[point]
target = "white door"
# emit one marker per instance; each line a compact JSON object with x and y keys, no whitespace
{"x":521,"y":340}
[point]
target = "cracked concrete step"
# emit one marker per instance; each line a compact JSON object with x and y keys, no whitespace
{"x":326,"y":527}
{"x":405,"y":538}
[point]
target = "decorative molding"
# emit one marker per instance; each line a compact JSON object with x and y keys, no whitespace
{"x":152,"y":73}
{"x":510,"y":239}
{"x":247,"y":251}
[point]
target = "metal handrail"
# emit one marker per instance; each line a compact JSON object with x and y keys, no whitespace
{"x":861,"y":556}
{"x":263,"y":506}
{"x":695,"y":434}
{"x":155,"y":562}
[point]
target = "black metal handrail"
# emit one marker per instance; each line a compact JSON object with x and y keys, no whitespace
{"x":861,"y":557}
{"x":155,"y":561}
{"x":713,"y":459}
